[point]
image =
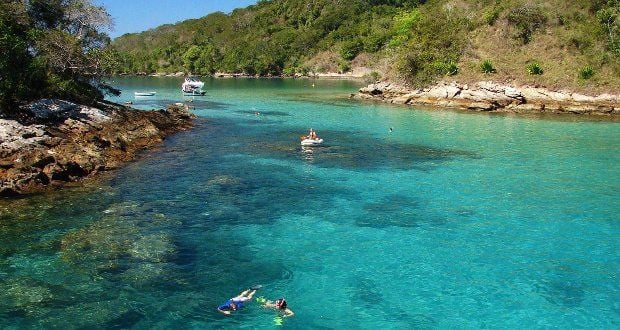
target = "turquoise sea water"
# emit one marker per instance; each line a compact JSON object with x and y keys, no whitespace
{"x":452,"y":220}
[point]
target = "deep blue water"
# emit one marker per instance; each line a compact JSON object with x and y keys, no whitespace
{"x":452,"y":220}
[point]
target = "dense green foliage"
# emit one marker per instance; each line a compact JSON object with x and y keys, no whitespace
{"x":586,"y":72}
{"x":534,"y":68}
{"x":421,"y":40}
{"x":51,"y":48}
{"x":487,"y":67}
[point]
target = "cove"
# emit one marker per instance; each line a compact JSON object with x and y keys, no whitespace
{"x":451,"y":220}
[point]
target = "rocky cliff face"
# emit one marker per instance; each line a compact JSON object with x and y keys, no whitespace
{"x":490,"y":96}
{"x":58,"y":142}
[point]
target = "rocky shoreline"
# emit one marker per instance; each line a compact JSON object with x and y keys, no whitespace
{"x":495,"y":97}
{"x":56,"y":142}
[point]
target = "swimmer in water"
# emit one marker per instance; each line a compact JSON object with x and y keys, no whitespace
{"x":236,"y":303}
{"x":281,"y":306}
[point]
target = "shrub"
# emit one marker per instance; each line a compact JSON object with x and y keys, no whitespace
{"x":491,"y":15}
{"x":452,"y":69}
{"x":487,"y":67}
{"x":586,"y":72}
{"x":350,"y":49}
{"x":374,"y":75}
{"x":446,"y":68}
{"x":344,"y":66}
{"x":609,"y":18}
{"x":534,"y":68}
{"x":526,"y":19}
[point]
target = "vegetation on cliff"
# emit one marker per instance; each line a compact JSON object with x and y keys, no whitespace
{"x":417,"y":41}
{"x":54,"y":49}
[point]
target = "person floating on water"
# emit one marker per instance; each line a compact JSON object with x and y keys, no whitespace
{"x":236,"y":303}
{"x":280,"y":305}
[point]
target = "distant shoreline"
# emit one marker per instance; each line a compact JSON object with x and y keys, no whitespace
{"x":328,"y":75}
{"x":483,"y":96}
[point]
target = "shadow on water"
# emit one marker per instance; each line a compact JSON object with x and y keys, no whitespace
{"x":365,"y":292}
{"x":312,"y":98}
{"x":125,"y":320}
{"x":264,"y":113}
{"x":562,"y":287}
{"x":351,"y":150}
{"x":196,"y":103}
{"x":366,"y":295}
{"x":398,"y":211}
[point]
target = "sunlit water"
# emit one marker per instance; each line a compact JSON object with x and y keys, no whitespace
{"x":452,"y":220}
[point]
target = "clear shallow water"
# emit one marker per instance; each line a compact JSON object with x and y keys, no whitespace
{"x":453,"y":220}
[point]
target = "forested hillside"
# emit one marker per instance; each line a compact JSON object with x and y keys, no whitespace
{"x":554,"y":42}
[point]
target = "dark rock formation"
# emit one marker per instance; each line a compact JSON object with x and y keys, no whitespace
{"x":490,"y":96}
{"x":55,"y":142}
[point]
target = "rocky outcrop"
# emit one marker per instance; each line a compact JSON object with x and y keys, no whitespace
{"x":490,"y":96}
{"x":56,"y":142}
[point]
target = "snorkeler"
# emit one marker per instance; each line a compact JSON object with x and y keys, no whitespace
{"x":280,"y":305}
{"x":237,"y":302}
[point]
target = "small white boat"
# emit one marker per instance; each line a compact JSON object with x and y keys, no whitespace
{"x":144,"y":93}
{"x":311,"y":142}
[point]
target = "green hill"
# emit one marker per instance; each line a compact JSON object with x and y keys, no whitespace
{"x":556,"y":43}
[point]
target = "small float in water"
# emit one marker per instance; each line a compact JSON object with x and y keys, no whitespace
{"x":144,"y":93}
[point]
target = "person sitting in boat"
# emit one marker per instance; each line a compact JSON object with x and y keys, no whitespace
{"x":236,"y":303}
{"x":280,"y":305}
{"x":312,"y":135}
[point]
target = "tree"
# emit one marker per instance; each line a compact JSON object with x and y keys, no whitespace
{"x":190,"y":57}
{"x":609,"y":17}
{"x":52,"y":48}
{"x":14,"y":42}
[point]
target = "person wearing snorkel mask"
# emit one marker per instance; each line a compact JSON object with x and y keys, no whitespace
{"x":281,"y":306}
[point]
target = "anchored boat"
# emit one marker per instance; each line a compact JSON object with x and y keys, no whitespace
{"x":144,"y":93}
{"x":192,"y":86}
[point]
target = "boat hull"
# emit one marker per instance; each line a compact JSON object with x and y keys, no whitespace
{"x":201,"y":93}
{"x":311,"y":142}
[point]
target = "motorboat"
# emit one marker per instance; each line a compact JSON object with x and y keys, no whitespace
{"x":311,"y":142}
{"x":192,"y":86}
{"x":144,"y":93}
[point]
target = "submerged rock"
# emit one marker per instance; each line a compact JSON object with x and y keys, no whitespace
{"x":55,"y":142}
{"x":153,"y":248}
